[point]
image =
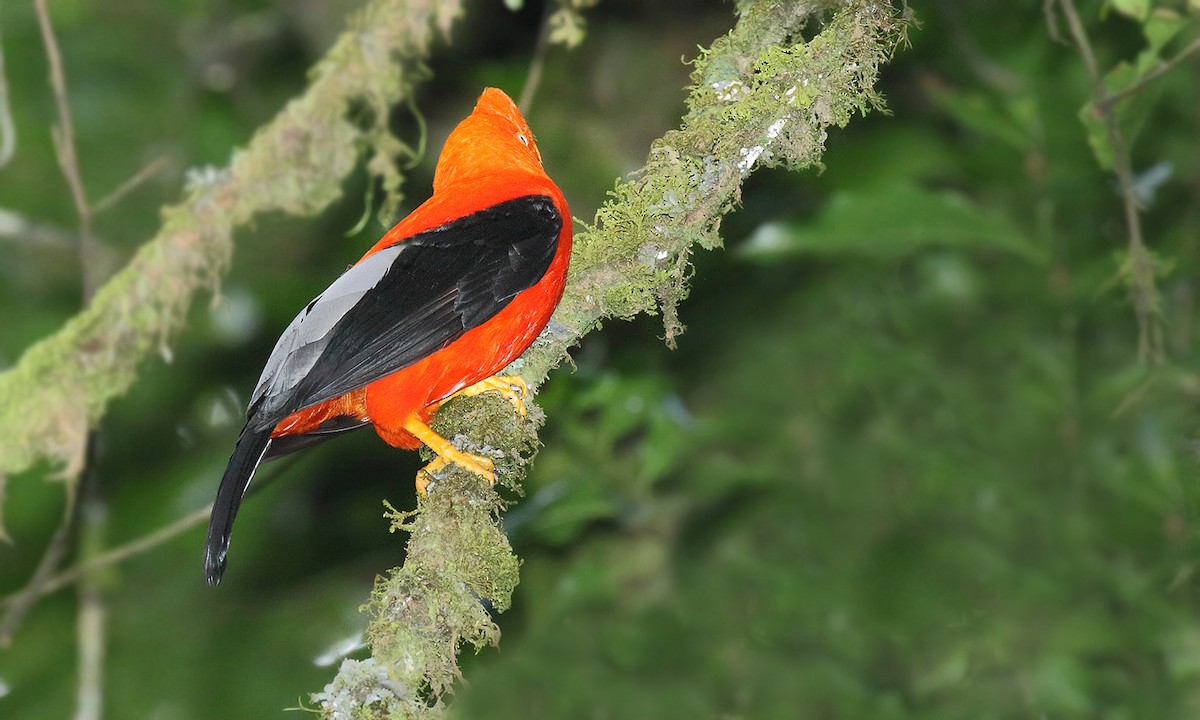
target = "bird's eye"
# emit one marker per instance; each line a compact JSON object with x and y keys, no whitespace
{"x":524,"y":140}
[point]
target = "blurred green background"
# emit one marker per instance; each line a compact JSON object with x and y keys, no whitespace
{"x":905,"y":463}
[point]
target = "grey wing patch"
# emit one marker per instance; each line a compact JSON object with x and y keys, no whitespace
{"x":302,"y":343}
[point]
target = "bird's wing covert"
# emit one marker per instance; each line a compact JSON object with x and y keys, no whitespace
{"x":406,"y":302}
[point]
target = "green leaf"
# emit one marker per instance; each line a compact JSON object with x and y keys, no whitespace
{"x":1008,"y":121}
{"x":1096,"y":131}
{"x":890,"y":223}
{"x":1137,"y":9}
{"x":1132,"y":112}
{"x":1160,"y":29}
{"x":567,"y":27}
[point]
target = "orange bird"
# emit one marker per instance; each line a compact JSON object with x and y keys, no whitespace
{"x":446,"y":299}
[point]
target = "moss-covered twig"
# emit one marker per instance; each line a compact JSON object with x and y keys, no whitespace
{"x":1140,"y":269}
{"x":761,"y":96}
{"x":296,"y":164}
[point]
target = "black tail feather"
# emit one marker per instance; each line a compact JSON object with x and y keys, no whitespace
{"x":252,"y":445}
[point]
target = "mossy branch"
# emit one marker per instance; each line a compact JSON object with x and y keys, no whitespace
{"x":296,"y":164}
{"x":761,"y":95}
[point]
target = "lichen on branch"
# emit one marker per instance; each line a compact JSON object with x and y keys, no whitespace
{"x":761,"y":95}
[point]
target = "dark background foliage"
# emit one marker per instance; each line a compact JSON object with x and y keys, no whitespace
{"x":905,"y":463}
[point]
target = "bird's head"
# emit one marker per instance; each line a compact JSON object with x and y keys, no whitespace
{"x":493,"y":138}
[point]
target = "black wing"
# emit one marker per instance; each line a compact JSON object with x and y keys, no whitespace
{"x":406,"y":302}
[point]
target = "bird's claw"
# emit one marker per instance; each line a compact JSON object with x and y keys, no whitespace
{"x":476,"y":464}
{"x":511,"y":387}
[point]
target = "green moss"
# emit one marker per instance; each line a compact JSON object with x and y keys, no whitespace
{"x":761,"y":95}
{"x":364,"y":690}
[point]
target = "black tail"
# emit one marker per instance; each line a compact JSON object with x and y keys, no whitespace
{"x":251,"y":446}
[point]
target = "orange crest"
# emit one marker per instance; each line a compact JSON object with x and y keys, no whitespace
{"x":494,"y":138}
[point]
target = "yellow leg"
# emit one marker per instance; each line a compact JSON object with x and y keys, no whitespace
{"x":511,"y":387}
{"x":446,"y":453}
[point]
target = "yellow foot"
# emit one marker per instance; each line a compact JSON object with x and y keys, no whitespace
{"x":481,"y":466}
{"x":446,"y":454}
{"x":511,"y":387}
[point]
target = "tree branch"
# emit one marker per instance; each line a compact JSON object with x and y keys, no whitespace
{"x":533,"y":78}
{"x":19,"y":604}
{"x":124,"y":189}
{"x":8,"y":130}
{"x":761,"y":96}
{"x":64,"y":150}
{"x":112,"y":556}
{"x":49,"y":583}
{"x":1112,"y":99}
{"x":91,"y":519}
{"x":1140,"y":266}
